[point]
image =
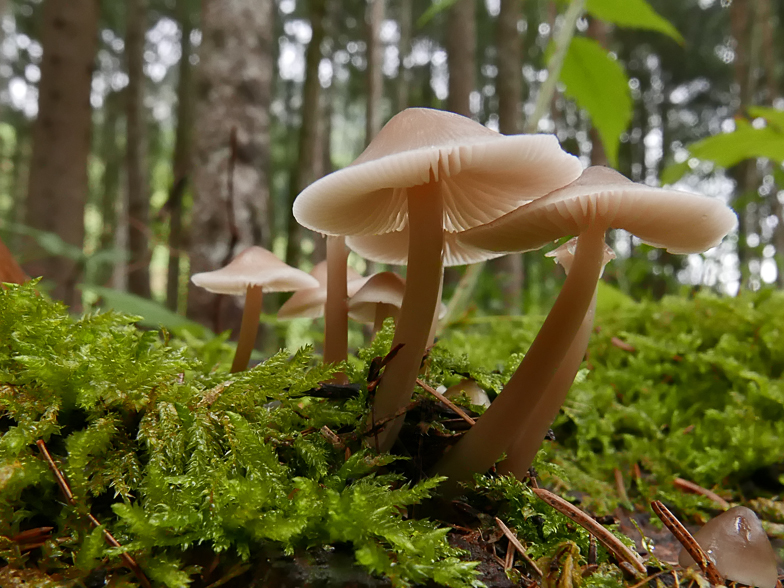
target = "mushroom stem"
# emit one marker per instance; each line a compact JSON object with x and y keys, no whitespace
{"x":248,"y":329}
{"x":383,"y":311}
{"x":336,"y":308}
{"x":431,"y":337}
{"x":533,"y":428}
{"x":423,"y":281}
{"x":484,"y":443}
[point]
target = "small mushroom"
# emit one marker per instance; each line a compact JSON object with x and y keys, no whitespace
{"x":435,"y":173}
{"x":475,"y":393}
{"x":739,"y":547}
{"x":599,"y":200}
{"x":250,"y":273}
{"x":310,"y":302}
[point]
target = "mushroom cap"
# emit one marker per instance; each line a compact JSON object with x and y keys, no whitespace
{"x":475,"y":393}
{"x":254,"y":267}
{"x":380,"y":288}
{"x":309,"y":303}
{"x":392,"y":248}
{"x":681,"y":222}
{"x":483,"y":175}
{"x":736,"y":542}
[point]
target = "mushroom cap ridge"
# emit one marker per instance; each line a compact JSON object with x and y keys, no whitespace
{"x":484,"y":174}
{"x":681,"y":222}
{"x":254,"y":267}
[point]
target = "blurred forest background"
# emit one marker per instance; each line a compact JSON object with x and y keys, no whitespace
{"x":144,"y":140}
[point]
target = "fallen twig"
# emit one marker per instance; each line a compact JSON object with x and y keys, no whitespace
{"x":607,"y":539}
{"x":461,"y":413}
{"x":689,"y":544}
{"x":517,"y":545}
{"x":687,"y":486}
{"x":108,"y":537}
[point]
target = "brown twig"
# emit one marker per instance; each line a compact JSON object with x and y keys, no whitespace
{"x":610,"y":541}
{"x":689,"y":544}
{"x":621,"y":344}
{"x":513,"y":540}
{"x":460,"y":412}
{"x":108,"y":537}
{"x":687,"y":486}
{"x":621,"y":486}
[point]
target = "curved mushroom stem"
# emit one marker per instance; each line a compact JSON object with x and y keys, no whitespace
{"x":248,"y":329}
{"x":484,"y":443}
{"x":533,"y":429}
{"x":423,"y":279}
{"x":336,"y":307}
{"x":383,"y":311}
{"x":431,"y":337}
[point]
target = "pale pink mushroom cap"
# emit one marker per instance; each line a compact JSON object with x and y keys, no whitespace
{"x":483,"y":175}
{"x":681,"y":222}
{"x":392,"y":248}
{"x":309,"y":303}
{"x":254,"y":267}
{"x":736,"y":542}
{"x":380,"y":288}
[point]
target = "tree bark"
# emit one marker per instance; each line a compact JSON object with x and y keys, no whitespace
{"x":136,"y":152}
{"x":110,"y":181}
{"x":461,"y":52}
{"x":403,"y":81}
{"x":305,"y":171}
{"x":508,"y":270}
{"x":181,"y":158}
{"x":375,"y":77}
{"x":233,"y":91}
{"x":61,"y":137}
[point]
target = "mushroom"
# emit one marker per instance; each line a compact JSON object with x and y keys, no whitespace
{"x":533,"y":429}
{"x":739,"y":547}
{"x":433,"y":172}
{"x":10,"y":272}
{"x":600,"y":199}
{"x":310,"y":302}
{"x":380,"y":297}
{"x":476,"y":394}
{"x":250,"y":273}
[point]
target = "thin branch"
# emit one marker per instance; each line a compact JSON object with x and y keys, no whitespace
{"x":517,"y":545}
{"x":689,"y":543}
{"x":590,"y":524}
{"x":687,"y":486}
{"x":108,"y":537}
{"x":461,"y":413}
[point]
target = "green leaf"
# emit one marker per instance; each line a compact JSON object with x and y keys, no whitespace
{"x":728,"y":149}
{"x":634,"y":14}
{"x":152,"y":314}
{"x":598,"y":83}
{"x":434,"y":9}
{"x":774,"y":116}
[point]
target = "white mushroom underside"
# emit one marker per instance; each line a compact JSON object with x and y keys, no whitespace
{"x":680,"y":221}
{"x":479,"y":182}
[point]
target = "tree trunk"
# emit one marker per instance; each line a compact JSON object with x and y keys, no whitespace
{"x":508,"y":270}
{"x":375,"y":77}
{"x":234,"y":91}
{"x":110,"y":182}
{"x":136,"y":152}
{"x":181,"y":157}
{"x":599,"y":31}
{"x":61,"y":137}
{"x":403,"y":80}
{"x":461,"y":52}
{"x":305,"y":171}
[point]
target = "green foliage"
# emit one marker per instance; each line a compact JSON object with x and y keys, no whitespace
{"x":635,"y":14}
{"x":745,"y":142}
{"x":598,"y":83}
{"x":169,"y":455}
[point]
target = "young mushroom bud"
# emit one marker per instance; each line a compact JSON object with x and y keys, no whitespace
{"x":250,"y":273}
{"x":739,"y":547}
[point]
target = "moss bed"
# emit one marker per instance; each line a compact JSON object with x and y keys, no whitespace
{"x":270,"y":478}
